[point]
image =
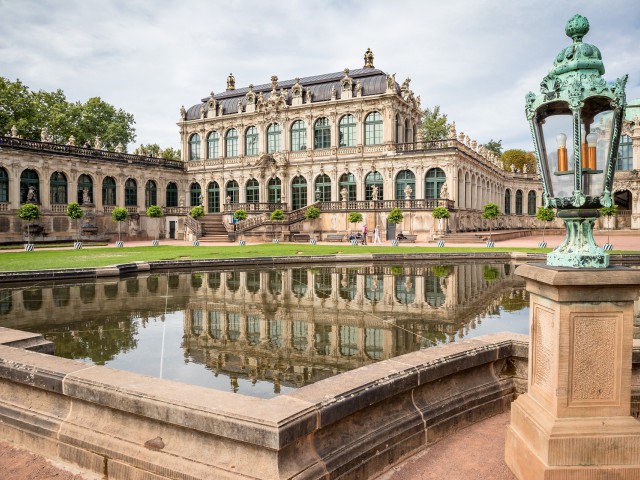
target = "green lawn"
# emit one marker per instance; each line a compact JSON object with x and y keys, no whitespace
{"x":94,"y":257}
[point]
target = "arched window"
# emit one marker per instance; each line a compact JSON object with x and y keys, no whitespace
{"x":507,"y":202}
{"x":433,"y":182}
{"x":347,"y":131}
{"x":253,"y":191}
{"x":348,"y":182}
{"x":252,"y":281}
{"x":433,"y":293}
{"x":108,"y":191}
{"x":273,"y":138}
{"x":4,"y":186}
{"x":322,"y":133}
{"x":195,"y":192}
{"x":374,"y":287}
{"x":403,"y":179}
{"x":519,"y":202}
{"x":406,"y":131}
{"x":405,"y":289}
{"x":231,"y":141}
{"x":232,"y":192}
{"x":323,"y":188}
{"x":299,"y":282}
{"x":298,"y":192}
{"x":85,"y":189}
{"x":58,"y":188}
{"x":348,"y":341}
{"x":29,"y":187}
{"x":213,"y":197}
{"x":130,"y":193}
{"x":251,"y":141}
{"x":373,"y":129}
{"x":150,"y":194}
{"x":298,"y":136}
{"x":398,"y":138}
{"x":531,"y":202}
{"x":374,"y":343}
{"x":212,"y":145}
{"x":172,"y":194}
{"x":274,"y":189}
{"x":625,"y":154}
{"x":373,"y":179}
{"x":415,"y":133}
{"x":194,"y":147}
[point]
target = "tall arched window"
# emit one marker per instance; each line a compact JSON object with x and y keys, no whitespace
{"x":274,"y":189}
{"x":232,"y":192}
{"x":108,"y":191}
{"x":231,"y":143}
{"x":397,"y":130}
{"x":253,"y":191}
{"x":322,"y":191}
{"x":373,"y":129}
{"x":58,"y":188}
{"x":404,"y":178}
{"x":251,"y":141}
{"x":625,"y":154}
{"x":433,"y":182}
{"x":405,"y":289}
{"x":298,"y":192}
{"x":29,"y":187}
{"x":519,"y":202}
{"x":213,"y":197}
{"x":347,"y":131}
{"x":373,"y":179}
{"x":298,"y":136}
{"x":195,"y":191}
{"x":130,"y":193}
{"x":507,"y":202}
{"x":212,"y":145}
{"x":85,"y":189}
{"x":433,"y":293}
{"x":273,"y":138}
{"x":194,"y":147}
{"x":531,"y":202}
{"x":172,"y":194}
{"x":4,"y":186}
{"x":322,"y":133}
{"x":406,"y":131}
{"x":348,"y":182}
{"x":150,"y":194}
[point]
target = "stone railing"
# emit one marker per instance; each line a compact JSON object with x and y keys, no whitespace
{"x":253,"y":207}
{"x":108,"y":209}
{"x":364,"y":205}
{"x":176,"y":210}
{"x":59,"y":208}
{"x":59,"y":149}
{"x":4,"y":207}
{"x":132,"y":209}
{"x":193,"y":226}
{"x":290,"y":217}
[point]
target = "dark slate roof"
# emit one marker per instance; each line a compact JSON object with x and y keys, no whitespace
{"x":373,"y":82}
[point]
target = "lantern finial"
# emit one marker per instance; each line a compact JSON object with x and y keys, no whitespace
{"x":577,"y":27}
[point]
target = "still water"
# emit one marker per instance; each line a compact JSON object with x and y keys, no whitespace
{"x":265,"y":332}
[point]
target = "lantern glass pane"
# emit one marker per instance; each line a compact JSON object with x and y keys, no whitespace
{"x":557,"y":147}
{"x":596,"y":146}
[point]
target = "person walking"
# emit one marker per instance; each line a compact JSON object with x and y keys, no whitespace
{"x":365,"y":230}
{"x":376,"y":235}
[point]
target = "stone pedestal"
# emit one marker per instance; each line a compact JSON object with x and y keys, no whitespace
{"x":575,"y":421}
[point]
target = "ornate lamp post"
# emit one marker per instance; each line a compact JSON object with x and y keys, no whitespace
{"x":575,"y":123}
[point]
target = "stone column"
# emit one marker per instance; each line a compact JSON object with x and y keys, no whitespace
{"x":575,"y":420}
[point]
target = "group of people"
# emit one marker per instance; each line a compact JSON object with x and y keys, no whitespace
{"x":362,"y":235}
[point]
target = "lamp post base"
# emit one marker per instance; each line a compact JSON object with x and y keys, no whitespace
{"x":579,"y":249}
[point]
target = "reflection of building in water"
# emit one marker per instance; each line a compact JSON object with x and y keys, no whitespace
{"x":298,"y":326}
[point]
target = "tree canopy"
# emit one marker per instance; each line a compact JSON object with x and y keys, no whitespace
{"x":434,"y":124}
{"x":518,"y":158}
{"x":153,"y":150}
{"x":32,"y":111}
{"x":494,"y":146}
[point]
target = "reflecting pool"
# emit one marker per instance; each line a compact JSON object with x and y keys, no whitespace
{"x":265,"y":332}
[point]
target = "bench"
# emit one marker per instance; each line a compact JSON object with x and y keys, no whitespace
{"x":408,"y":239}
{"x":334,"y":237}
{"x":300,"y":237}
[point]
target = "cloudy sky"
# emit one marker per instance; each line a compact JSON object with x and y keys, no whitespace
{"x":475,"y":58}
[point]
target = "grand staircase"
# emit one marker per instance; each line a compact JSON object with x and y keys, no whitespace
{"x":213,"y":229}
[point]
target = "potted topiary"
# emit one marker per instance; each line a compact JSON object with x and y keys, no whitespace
{"x":119,"y":215}
{"x":490,"y":212}
{"x":608,"y":213}
{"x":312,"y":214}
{"x":197,"y":213}
{"x":395,"y":216}
{"x":441,"y":214}
{"x":155,"y":211}
{"x":29,"y":212}
{"x":75,"y":212}
{"x":354,"y":217}
{"x":545,"y":215}
{"x":276,"y":216}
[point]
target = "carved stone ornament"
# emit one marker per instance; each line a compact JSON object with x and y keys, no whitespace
{"x":231,"y":82}
{"x":296,"y":90}
{"x":250,"y":96}
{"x":368,"y":59}
{"x":183,"y":113}
{"x":346,"y":83}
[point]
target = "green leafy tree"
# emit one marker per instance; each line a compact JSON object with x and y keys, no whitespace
{"x":494,"y":146}
{"x":440,"y":214}
{"x":240,"y":215}
{"x":434,"y":124}
{"x":395,"y":216}
{"x":545,"y":215}
{"x":312,"y":213}
{"x":609,"y":213}
{"x":119,"y":215}
{"x":490,"y":212}
{"x":490,"y":273}
{"x":75,"y":212}
{"x":171,"y":154}
{"x":155,"y":211}
{"x":29,"y":212}
{"x":197,"y":212}
{"x":355,"y":217}
{"x":518,"y":158}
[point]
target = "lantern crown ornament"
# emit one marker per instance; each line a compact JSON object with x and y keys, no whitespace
{"x":576,"y":123}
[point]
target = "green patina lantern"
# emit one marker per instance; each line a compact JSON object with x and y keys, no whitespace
{"x":575,"y":123}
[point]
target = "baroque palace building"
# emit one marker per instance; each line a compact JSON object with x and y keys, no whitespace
{"x":343,"y":142}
